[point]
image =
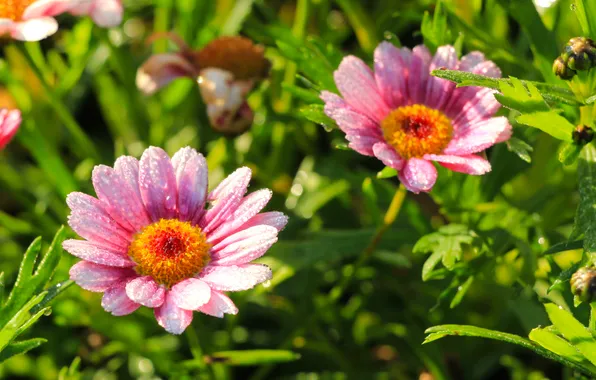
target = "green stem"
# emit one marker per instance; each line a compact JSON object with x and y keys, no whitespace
{"x":197,"y":350}
{"x":81,"y":145}
{"x":363,"y":26}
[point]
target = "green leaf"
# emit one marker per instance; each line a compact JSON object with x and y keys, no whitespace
{"x":585,"y":216}
{"x":565,"y":276}
{"x":445,"y":245}
{"x":387,"y":172}
{"x":564,"y":246}
{"x":435,"y":31}
{"x":461,"y":292}
{"x":21,"y":347}
{"x":438,"y":332}
{"x":550,"y":92}
{"x":569,"y":153}
{"x":516,"y":96}
{"x":316,"y":114}
{"x":556,"y":344}
{"x":550,"y":122}
{"x":252,"y":357}
{"x":585,"y":12}
{"x":576,"y":333}
{"x":20,"y":321}
{"x":521,"y":148}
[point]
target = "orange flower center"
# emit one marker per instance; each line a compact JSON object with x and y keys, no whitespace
{"x":414,"y":131}
{"x":14,"y":9}
{"x":170,"y":251}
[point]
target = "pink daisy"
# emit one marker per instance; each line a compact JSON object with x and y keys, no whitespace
{"x":105,"y":13}
{"x":10,"y":121}
{"x":407,"y":118}
{"x":150,"y":240}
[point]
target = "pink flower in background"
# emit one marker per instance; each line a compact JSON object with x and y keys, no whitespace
{"x":30,"y":20}
{"x":151,"y":241}
{"x":105,"y":13}
{"x":407,"y":118}
{"x":10,"y":121}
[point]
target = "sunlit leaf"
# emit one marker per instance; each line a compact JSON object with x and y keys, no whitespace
{"x":550,"y":122}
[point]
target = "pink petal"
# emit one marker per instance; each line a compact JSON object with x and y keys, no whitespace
{"x":244,"y":247}
{"x":98,"y":278}
{"x":225,"y":198}
{"x":391,"y":73}
{"x":116,"y":301}
{"x":119,"y":200}
{"x":470,"y":61}
{"x":387,"y":154}
{"x":146,"y":291}
{"x":479,"y":136}
{"x":250,"y":206}
{"x":363,"y":144}
{"x":171,"y":317}
{"x":469,"y":164}
{"x":190,"y":294}
{"x":92,"y":222}
{"x":35,"y":29}
{"x":347,"y":118}
{"x":438,"y":90}
{"x":158,"y":184}
{"x":97,"y":254}
{"x":235,"y":277}
{"x":357,"y":85}
{"x":419,"y":73}
{"x":191,"y":178}
{"x":218,"y":305}
{"x":418,"y":175}
{"x":160,"y":69}
{"x":274,"y":219}
{"x":10,"y":121}
{"x":107,"y":13}
{"x":45,"y":8}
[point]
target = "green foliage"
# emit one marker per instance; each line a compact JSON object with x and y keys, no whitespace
{"x":585,"y":216}
{"x":435,"y":30}
{"x":550,"y":122}
{"x":516,"y":96}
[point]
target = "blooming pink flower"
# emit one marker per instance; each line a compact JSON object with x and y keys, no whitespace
{"x":105,"y":13}
{"x":10,"y":121}
{"x":150,"y":240}
{"x":407,"y":118}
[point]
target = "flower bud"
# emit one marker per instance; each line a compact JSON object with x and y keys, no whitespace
{"x":580,"y":53}
{"x":561,"y":70}
{"x":582,"y":134}
{"x":583,"y":284}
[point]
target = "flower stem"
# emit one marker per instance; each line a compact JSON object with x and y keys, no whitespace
{"x":197,"y":350}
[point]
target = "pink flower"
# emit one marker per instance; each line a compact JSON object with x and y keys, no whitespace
{"x":151,"y":241}
{"x":407,"y":118}
{"x":31,"y":20}
{"x":10,"y":121}
{"x":105,"y":13}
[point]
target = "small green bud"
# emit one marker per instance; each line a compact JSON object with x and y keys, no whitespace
{"x":580,"y":53}
{"x":561,"y":70}
{"x":583,"y":284}
{"x":582,"y":134}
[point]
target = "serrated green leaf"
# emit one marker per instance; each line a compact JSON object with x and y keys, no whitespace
{"x":555,"y":344}
{"x":550,"y":122}
{"x":516,"y":96}
{"x":521,"y":148}
{"x":435,"y":30}
{"x":438,"y":332}
{"x":586,"y":210}
{"x":21,"y":347}
{"x":576,"y":333}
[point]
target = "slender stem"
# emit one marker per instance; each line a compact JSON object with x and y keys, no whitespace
{"x":82,"y":145}
{"x":197,"y":350}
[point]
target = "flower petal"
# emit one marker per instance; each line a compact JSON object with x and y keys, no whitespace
{"x":438,"y":90}
{"x":469,"y":164}
{"x":418,"y":175}
{"x":97,"y":254}
{"x":347,"y":118}
{"x":357,"y":85}
{"x":107,"y":13}
{"x":479,"y":136}
{"x":363,"y":144}
{"x":118,"y":199}
{"x":158,"y":184}
{"x":10,"y":121}
{"x":245,"y":246}
{"x":98,"y":278}
{"x":146,"y":291}
{"x":250,"y":206}
{"x":391,"y":73}
{"x":387,"y":154}
{"x":218,"y":305}
{"x":190,"y":294}
{"x":419,"y":73}
{"x":235,"y":277}
{"x":225,"y":198}
{"x":92,"y":222}
{"x":171,"y":317}
{"x":160,"y":69}
{"x":275,"y":219}
{"x":35,"y":29}
{"x":46,"y":8}
{"x":116,"y":301}
{"x":192,"y":180}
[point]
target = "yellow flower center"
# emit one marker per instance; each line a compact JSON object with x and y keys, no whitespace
{"x":14,"y":9}
{"x":170,"y":251}
{"x":414,"y":131}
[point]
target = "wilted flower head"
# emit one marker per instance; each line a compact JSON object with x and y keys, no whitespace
{"x":10,"y":121}
{"x":226,"y":70}
{"x":150,"y":240}
{"x":407,"y":118}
